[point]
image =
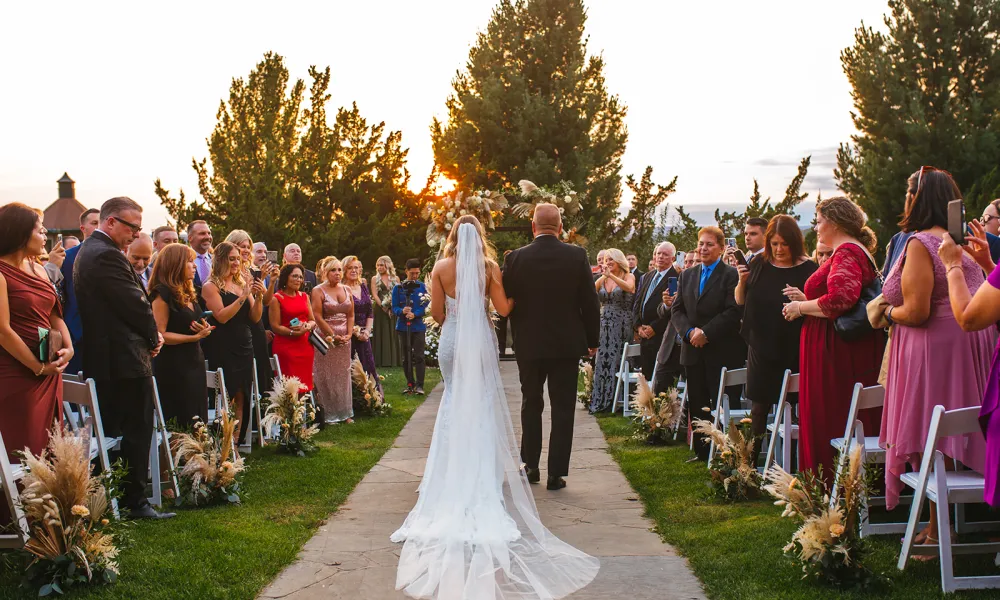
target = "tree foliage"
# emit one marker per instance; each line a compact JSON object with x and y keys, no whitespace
{"x":277,"y":168}
{"x":927,"y":92}
{"x":530,"y":104}
{"x":732,"y":223}
{"x":682,"y":231}
{"x":647,"y":196}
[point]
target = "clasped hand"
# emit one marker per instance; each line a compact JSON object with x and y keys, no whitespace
{"x":646,"y":332}
{"x":698,"y":338}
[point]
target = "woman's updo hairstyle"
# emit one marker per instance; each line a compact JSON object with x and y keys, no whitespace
{"x":849,"y":218}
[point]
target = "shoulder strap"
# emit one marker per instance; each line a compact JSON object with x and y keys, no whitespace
{"x":871,"y":259}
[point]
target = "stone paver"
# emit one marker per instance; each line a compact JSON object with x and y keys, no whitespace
{"x":351,"y":557}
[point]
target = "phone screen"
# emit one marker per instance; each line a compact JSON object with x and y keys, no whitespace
{"x":740,"y":258}
{"x":956,"y":221}
{"x":731,"y":242}
{"x":255,"y":273}
{"x":206,"y":314}
{"x":272,"y":256}
{"x":672,"y":285}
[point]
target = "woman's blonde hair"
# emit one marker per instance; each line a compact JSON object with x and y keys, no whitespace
{"x":237,"y":237}
{"x":321,"y":267}
{"x":389,"y":267}
{"x":451,"y":244}
{"x":220,"y":265}
{"x":346,"y":264}
{"x":618,"y":256}
{"x":849,"y":218}
{"x":171,"y":270}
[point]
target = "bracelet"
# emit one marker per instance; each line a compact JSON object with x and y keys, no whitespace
{"x":39,"y":372}
{"x":953,"y":267}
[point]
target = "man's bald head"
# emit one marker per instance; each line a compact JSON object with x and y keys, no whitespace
{"x":140,"y":252}
{"x":546,"y":220}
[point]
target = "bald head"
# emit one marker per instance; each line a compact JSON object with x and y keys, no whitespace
{"x":140,"y":252}
{"x":546,"y":220}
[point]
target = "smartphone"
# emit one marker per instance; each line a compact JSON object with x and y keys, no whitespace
{"x":740,"y":258}
{"x":272,"y":256}
{"x":205,"y":314}
{"x":295,"y":322}
{"x":731,"y":242}
{"x":956,"y":221}
{"x":59,"y":239}
{"x":255,"y":273}
{"x":672,"y":285}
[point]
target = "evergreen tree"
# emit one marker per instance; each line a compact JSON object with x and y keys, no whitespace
{"x":683,"y":232}
{"x":732,"y":223}
{"x":640,"y":220}
{"x":530,"y":104}
{"x":927,"y":92}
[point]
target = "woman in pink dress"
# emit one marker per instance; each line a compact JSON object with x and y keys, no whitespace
{"x":332,"y":372}
{"x":291,"y":342}
{"x":931,"y":360}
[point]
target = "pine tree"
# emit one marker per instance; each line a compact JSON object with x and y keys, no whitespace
{"x":530,"y":104}
{"x":732,"y":223}
{"x":683,"y":232}
{"x":927,"y":92}
{"x":640,"y":222}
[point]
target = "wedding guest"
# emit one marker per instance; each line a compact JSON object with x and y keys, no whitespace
{"x":235,"y":304}
{"x":829,"y":365}
{"x":633,"y":266}
{"x":598,"y":269}
{"x":270,"y":272}
{"x":293,"y":256}
{"x":753,"y":237}
{"x":89,"y":221}
{"x":179,"y":368}
{"x":409,"y":306}
{"x":292,"y":320}
{"x":364,"y":317}
{"x":30,"y":390}
{"x":139,"y":254}
{"x":690,"y":259}
{"x":52,"y":263}
{"x":386,"y":343}
{"x":932,"y":360}
{"x":70,"y":241}
{"x":649,"y":325}
{"x":120,"y":339}
{"x":163,"y":236}
{"x":823,"y":253}
{"x":615,"y":291}
{"x":258,"y":332}
{"x":199,"y":237}
{"x":773,"y":343}
{"x":332,"y":373}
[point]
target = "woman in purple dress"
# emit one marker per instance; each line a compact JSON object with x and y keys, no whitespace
{"x":364,"y":317}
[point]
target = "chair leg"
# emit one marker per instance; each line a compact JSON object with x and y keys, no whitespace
{"x":944,"y":528}
{"x":914,"y":521}
{"x":154,"y":470}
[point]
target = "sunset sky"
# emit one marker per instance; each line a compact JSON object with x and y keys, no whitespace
{"x":118,"y":94}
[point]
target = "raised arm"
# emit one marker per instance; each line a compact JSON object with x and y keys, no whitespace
{"x":498,"y":296}
{"x":438,"y":300}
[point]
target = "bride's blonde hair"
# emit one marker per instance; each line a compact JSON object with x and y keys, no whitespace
{"x":451,"y":244}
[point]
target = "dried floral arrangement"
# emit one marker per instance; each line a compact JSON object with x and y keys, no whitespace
{"x":828,"y":545}
{"x":367,"y":398}
{"x":586,"y":383}
{"x":442,"y":213}
{"x":291,"y":415}
{"x":563,"y":196}
{"x":67,"y":508}
{"x":656,"y":416}
{"x":733,"y":469}
{"x":208,"y":467}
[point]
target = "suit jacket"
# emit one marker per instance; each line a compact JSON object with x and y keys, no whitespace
{"x":310,"y":281}
{"x":118,"y":325}
{"x":71,"y":310}
{"x":668,"y":341}
{"x":638,"y":274}
{"x":556,"y":311}
{"x":714,"y":311}
{"x":646,"y":313}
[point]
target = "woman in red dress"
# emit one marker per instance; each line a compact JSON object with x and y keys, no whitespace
{"x":829,"y":366}
{"x":291,"y":343}
{"x":30,"y":389}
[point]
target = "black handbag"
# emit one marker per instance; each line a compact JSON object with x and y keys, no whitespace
{"x":854,"y":324}
{"x":318,"y":342}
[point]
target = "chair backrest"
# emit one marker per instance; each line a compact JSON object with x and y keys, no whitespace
{"x":733,"y":377}
{"x":791,"y":383}
{"x":216,"y":382}
{"x":632,"y":350}
{"x":276,"y":366}
{"x":863,"y":398}
{"x":8,"y":480}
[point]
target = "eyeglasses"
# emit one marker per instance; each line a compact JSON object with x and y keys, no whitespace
{"x":135,"y":228}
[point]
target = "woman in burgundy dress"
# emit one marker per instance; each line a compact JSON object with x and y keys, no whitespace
{"x":291,"y":342}
{"x":829,"y":366}
{"x":364,"y":317}
{"x":30,"y":389}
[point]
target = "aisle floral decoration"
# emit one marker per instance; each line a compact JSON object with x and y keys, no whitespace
{"x":368,"y":400}
{"x":294,"y":418}
{"x":441,"y":213}
{"x":562,"y":195}
{"x":733,"y":470}
{"x":828,"y":545}
{"x":432,"y":339}
{"x":586,"y":382}
{"x":656,"y":416}
{"x":69,"y":535}
{"x":208,"y":469}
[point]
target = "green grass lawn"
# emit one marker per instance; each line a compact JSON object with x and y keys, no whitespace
{"x":232,"y":552}
{"x":736,"y":549}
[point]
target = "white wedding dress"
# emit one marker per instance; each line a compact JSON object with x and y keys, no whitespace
{"x":475,"y":533}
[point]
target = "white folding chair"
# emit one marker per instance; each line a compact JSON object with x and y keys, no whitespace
{"x":88,"y":416}
{"x":625,"y":378}
{"x":783,"y":429}
{"x":682,"y":396}
{"x":9,"y":476}
{"x":161,"y":439}
{"x":723,"y":414}
{"x":216,"y":383}
{"x":943,"y":487}
{"x":258,"y":399}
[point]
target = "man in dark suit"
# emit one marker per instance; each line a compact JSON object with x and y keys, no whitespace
{"x":293,"y":255}
{"x":140,"y":255}
{"x":706,"y":316}
{"x":89,"y":221}
{"x":650,"y":323}
{"x":668,"y":357}
{"x":556,"y":320}
{"x":120,"y":339}
{"x":633,"y":267}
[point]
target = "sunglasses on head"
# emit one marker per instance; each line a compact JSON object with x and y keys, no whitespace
{"x":920,"y":177}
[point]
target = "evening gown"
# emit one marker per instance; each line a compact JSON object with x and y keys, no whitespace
{"x":773,"y":342}
{"x":29,"y":405}
{"x":616,"y":329}
{"x":178,"y":368}
{"x":363,"y":350}
{"x":989,"y":419}
{"x":230,"y":346}
{"x":295,"y":354}
{"x":332,"y":373}
{"x":935,"y":363}
{"x":829,"y":366}
{"x":385,"y":340}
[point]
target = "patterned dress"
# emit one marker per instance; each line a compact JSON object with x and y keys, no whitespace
{"x":616,"y":329}
{"x":386,"y":341}
{"x":363,"y":350}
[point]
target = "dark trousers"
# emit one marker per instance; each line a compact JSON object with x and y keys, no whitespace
{"x":501,"y":328}
{"x":561,"y":374}
{"x":703,"y":391}
{"x":668,"y":373}
{"x":414,"y":366}
{"x":647,"y":357}
{"x":127,"y":411}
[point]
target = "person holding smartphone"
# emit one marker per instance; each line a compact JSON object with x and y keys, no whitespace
{"x":764,"y":287}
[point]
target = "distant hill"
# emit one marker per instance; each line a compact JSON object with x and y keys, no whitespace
{"x":704,"y":214}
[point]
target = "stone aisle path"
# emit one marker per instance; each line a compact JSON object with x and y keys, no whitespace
{"x":351,"y":557}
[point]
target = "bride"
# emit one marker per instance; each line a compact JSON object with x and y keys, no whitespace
{"x":475,"y":533}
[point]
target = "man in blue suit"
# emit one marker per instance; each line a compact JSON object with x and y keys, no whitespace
{"x":89,"y":221}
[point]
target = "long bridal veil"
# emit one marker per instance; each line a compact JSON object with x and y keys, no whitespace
{"x":475,"y":533}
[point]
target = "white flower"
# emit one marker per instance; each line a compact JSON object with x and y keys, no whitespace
{"x":562,"y":210}
{"x":461,"y":212}
{"x":450,"y":215}
{"x":566,"y":199}
{"x":447,"y":225}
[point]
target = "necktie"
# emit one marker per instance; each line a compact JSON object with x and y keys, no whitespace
{"x":652,"y":286}
{"x":705,"y":274}
{"x":204,"y":270}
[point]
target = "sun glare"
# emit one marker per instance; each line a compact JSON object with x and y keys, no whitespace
{"x":442,"y":185}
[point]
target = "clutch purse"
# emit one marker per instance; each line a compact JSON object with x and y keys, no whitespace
{"x":318,"y":342}
{"x":50,"y":343}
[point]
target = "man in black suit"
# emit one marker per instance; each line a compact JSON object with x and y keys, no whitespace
{"x":633,"y":266}
{"x":706,"y":316}
{"x":293,"y":255}
{"x":650,"y":323}
{"x":120,"y":339}
{"x":556,"y":320}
